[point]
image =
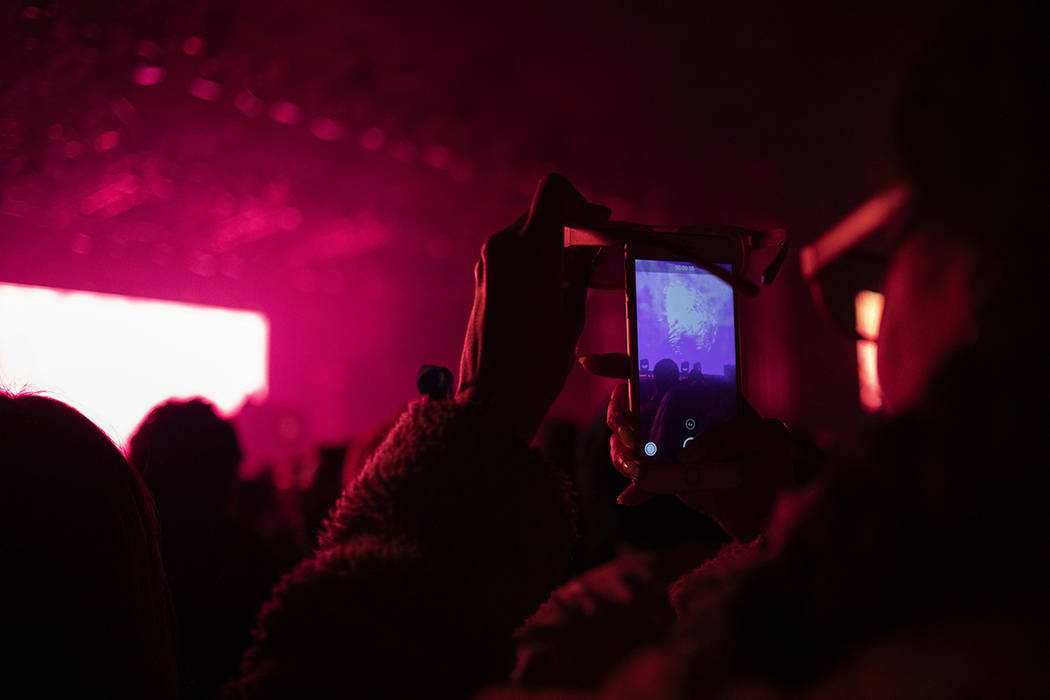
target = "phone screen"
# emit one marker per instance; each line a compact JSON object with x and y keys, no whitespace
{"x":683,"y":344}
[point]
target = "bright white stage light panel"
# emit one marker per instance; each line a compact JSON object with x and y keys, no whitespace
{"x":114,"y":357}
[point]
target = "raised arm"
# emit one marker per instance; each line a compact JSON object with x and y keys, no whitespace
{"x":456,"y":530}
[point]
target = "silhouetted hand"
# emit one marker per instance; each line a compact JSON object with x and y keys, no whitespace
{"x":733,"y":473}
{"x":528,"y":309}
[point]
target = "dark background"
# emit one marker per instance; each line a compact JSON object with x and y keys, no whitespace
{"x":760,"y":114}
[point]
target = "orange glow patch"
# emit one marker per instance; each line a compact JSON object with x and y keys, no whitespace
{"x":868,"y":306}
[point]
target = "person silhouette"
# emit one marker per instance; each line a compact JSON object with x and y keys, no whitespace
{"x":220,"y":572}
{"x":86,"y":603}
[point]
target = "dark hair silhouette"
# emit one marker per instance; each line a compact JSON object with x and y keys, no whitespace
{"x":87,"y":609}
{"x":972,"y":123}
{"x":665,"y":374}
{"x":188,"y":456}
{"x":220,"y":572}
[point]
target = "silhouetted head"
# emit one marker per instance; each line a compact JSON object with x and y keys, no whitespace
{"x":665,"y":374}
{"x":86,"y":603}
{"x":974,"y":147}
{"x":972,"y":123}
{"x":188,"y":456}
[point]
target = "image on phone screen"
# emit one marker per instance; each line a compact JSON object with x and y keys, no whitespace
{"x":686,"y":354}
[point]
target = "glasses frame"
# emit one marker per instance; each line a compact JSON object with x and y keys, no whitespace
{"x":875,"y":215}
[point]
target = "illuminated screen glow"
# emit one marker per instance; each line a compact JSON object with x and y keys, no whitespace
{"x":686,"y":345}
{"x":115,"y":357}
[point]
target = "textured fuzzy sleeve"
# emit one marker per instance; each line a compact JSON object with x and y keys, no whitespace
{"x":452,"y":534}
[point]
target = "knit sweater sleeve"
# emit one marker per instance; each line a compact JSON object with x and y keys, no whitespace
{"x":452,"y":534}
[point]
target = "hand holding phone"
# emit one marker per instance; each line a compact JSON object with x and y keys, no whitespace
{"x":680,"y":425}
{"x":733,"y":473}
{"x":528,"y":310}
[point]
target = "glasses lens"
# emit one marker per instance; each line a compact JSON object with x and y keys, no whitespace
{"x":845,"y":286}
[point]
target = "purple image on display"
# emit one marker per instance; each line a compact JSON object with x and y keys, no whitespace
{"x":686,"y":358}
{"x":685,"y":315}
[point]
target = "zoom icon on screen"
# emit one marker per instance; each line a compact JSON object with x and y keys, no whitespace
{"x":690,"y":423}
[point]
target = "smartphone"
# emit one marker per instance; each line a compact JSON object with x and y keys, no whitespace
{"x":684,"y":349}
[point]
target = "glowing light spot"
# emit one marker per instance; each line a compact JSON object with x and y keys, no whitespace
{"x":868,"y":308}
{"x":327,"y":129}
{"x":437,"y":157}
{"x":373,"y":138}
{"x":107,"y":141}
{"x":205,"y":89}
{"x":115,"y":197}
{"x":193,"y":46}
{"x":286,"y":113}
{"x":115,"y":357}
{"x":248,"y":104}
{"x":148,"y":75}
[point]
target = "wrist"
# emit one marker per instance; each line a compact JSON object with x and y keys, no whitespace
{"x":506,"y":414}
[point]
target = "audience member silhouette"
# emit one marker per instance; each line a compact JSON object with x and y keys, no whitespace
{"x":87,"y":612}
{"x":324,"y":488}
{"x":665,"y":376}
{"x":220,"y":572}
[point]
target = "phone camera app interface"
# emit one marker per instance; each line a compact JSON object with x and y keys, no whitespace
{"x":686,"y":354}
